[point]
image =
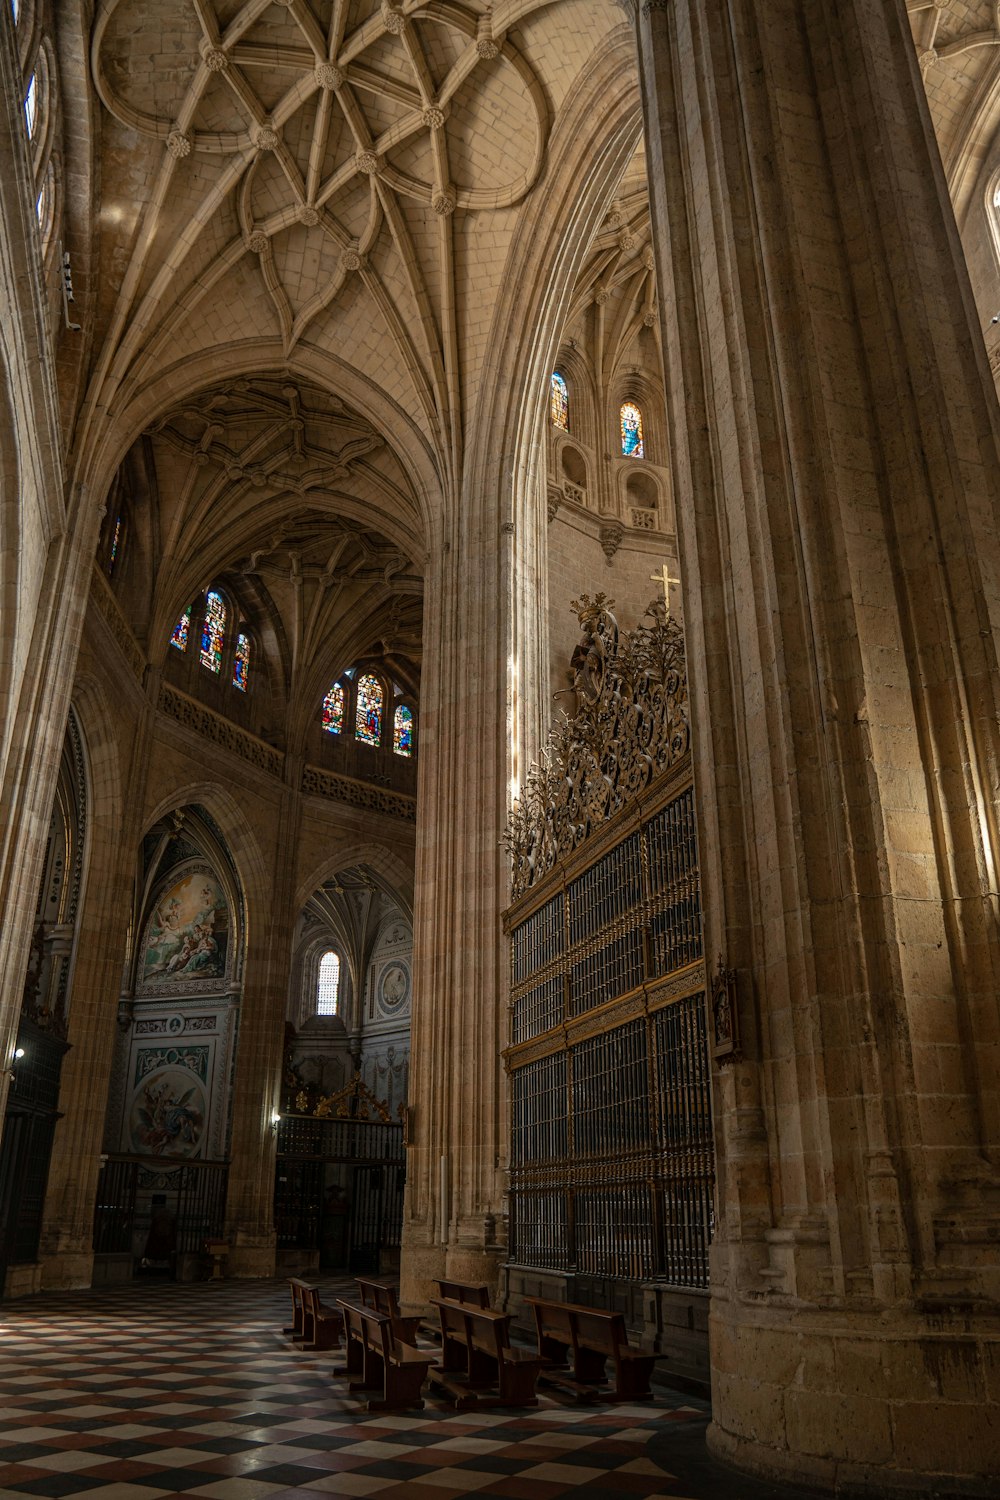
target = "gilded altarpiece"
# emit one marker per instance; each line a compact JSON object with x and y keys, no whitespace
{"x":611,"y":1156}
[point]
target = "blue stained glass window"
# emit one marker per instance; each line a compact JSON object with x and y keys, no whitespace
{"x":241,"y":663}
{"x":181,"y":629}
{"x":402,"y":731}
{"x":368,"y":719}
{"x":631,"y":428}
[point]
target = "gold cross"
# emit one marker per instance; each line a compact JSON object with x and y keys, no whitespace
{"x":664,"y":579}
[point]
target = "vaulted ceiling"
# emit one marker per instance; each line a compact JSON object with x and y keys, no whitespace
{"x":345,"y":175}
{"x":958,"y":46}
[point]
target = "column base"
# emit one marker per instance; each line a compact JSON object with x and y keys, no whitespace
{"x":421,"y":1265}
{"x":70,"y":1270}
{"x":867,"y":1404}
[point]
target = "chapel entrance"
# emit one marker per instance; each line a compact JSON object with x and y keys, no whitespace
{"x":338,"y":1185}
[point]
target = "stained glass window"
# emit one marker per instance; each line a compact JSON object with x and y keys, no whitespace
{"x":329,"y":984}
{"x":368,"y":720}
{"x":559,"y":402}
{"x":333,"y":710}
{"x":402,"y":731}
{"x":180,"y":635}
{"x":241,"y":663}
{"x":212,"y":632}
{"x":115,"y":544}
{"x":631,"y":424}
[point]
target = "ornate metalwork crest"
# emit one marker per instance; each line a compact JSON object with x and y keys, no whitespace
{"x":631,"y":724}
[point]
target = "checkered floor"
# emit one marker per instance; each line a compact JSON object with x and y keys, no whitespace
{"x":142,"y":1391}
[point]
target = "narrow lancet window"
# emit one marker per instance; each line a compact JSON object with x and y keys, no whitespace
{"x":181,"y":629}
{"x":212,"y":632}
{"x":116,"y":541}
{"x":31,"y":105}
{"x":329,"y":984}
{"x":559,"y":402}
{"x":368,"y":720}
{"x":402,"y":731}
{"x":241,"y":663}
{"x":333,"y":710}
{"x":631,"y":429}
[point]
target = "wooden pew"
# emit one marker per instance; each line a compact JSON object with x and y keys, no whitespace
{"x":382,"y":1295}
{"x":297,"y":1287}
{"x":321,"y":1324}
{"x":379,"y":1362}
{"x":478,"y":1365}
{"x":593,"y":1337}
{"x":476,"y":1293}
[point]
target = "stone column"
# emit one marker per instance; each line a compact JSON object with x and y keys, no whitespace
{"x":837,"y":473}
{"x":455,"y":1099}
{"x":260,"y":1048}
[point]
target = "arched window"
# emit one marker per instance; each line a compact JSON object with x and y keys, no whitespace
{"x":179,"y":638}
{"x":559,"y":402}
{"x":328,"y":985}
{"x":631,"y":430}
{"x":402,"y":731}
{"x":241,"y":663}
{"x":333,"y":710}
{"x":368,"y":719}
{"x":31,"y":105}
{"x":212,"y":631}
{"x":116,"y":542}
{"x":45,"y":203}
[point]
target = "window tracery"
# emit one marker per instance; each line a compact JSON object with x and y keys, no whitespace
{"x":328,"y":984}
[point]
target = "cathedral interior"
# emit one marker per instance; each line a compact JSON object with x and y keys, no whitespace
{"x":500,"y":708}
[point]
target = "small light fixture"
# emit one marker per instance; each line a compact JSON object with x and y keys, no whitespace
{"x":275,"y":1120}
{"x":18,"y":1051}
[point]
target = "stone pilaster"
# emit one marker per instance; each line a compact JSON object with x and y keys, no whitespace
{"x":836,"y":475}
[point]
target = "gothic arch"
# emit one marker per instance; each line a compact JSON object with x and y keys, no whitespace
{"x":241,"y":843}
{"x":105,"y":439}
{"x":391,"y":873}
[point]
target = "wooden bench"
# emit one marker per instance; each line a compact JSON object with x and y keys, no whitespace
{"x":476,"y":1293}
{"x":321,"y":1324}
{"x":478,"y":1365}
{"x":382,"y":1295}
{"x":297,"y":1287}
{"x":593,"y":1337}
{"x":378,"y":1362}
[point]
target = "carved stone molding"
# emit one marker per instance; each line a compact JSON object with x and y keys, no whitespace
{"x":212,"y":726}
{"x":358,"y":793}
